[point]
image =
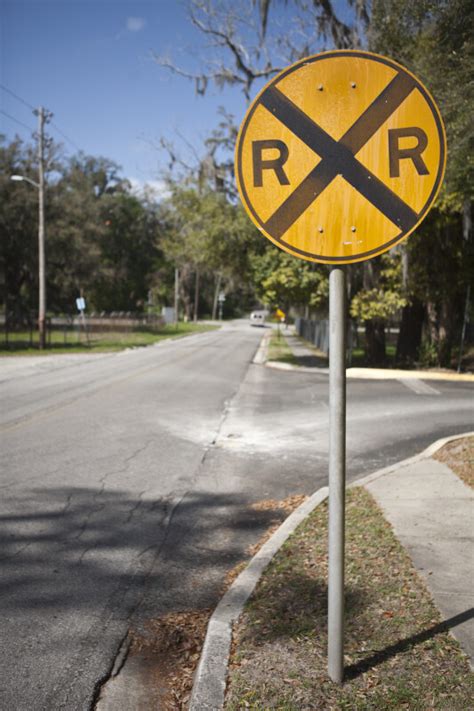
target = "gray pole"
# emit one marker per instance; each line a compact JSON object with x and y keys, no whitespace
{"x":337,"y":471}
{"x":196,"y":297}
{"x":41,"y":235}
{"x":176,"y":295}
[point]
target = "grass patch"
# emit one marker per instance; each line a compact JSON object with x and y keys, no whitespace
{"x":397,"y":652}
{"x":321,"y":355}
{"x":19,"y":343}
{"x":459,"y":456}
{"x":467,"y":360}
{"x":278,"y":349}
{"x":359,"y":358}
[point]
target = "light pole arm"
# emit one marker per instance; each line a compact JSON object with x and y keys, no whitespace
{"x":21,"y":178}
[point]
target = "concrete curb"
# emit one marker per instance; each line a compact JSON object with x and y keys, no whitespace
{"x":376,"y":373}
{"x":260,"y":357}
{"x":276,"y":365}
{"x":389,"y":374}
{"x":211,"y":675}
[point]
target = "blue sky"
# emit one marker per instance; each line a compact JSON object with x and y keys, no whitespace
{"x":89,"y":61}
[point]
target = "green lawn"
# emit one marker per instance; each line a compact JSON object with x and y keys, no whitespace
{"x":278,"y":349}
{"x":71,"y":342}
{"x":359,"y":359}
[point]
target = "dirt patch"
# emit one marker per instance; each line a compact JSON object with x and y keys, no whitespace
{"x":168,"y":650}
{"x":459,"y":456}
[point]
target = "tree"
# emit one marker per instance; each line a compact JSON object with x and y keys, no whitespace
{"x":283,"y":281}
{"x":207,"y":233}
{"x":129,"y":253}
{"x":75,"y":228}
{"x":379,"y":299}
{"x":100,"y":240}
{"x":246,"y":49}
{"x":433,"y":38}
{"x":18,"y":232}
{"x":242,"y":50}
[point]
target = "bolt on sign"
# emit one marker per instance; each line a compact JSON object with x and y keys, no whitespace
{"x":340,"y":156}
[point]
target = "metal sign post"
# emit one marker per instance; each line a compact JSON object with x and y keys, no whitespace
{"x":221,"y":304}
{"x":81,"y":305}
{"x":337,"y":470}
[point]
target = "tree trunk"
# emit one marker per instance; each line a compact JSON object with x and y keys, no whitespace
{"x":196,"y":297}
{"x":409,"y":337}
{"x":185,"y":289}
{"x":446,"y":331}
{"x":216,"y":296}
{"x":375,"y":341}
{"x":374,"y":328}
{"x":432,"y":314}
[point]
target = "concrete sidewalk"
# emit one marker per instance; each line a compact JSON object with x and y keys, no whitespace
{"x":432,"y":513}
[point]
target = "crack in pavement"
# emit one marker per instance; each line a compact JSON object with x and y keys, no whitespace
{"x":93,"y":510}
{"x":175,"y":505}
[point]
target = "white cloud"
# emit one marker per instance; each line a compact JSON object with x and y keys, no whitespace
{"x":135,"y":24}
{"x":154,"y":189}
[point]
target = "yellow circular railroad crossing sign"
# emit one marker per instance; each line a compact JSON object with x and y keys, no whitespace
{"x":340,"y":156}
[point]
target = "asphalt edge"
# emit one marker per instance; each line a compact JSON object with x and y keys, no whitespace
{"x":210,"y":679}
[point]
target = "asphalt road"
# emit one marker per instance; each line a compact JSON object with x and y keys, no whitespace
{"x":126,"y":483}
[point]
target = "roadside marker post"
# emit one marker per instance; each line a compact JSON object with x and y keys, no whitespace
{"x":81,"y":306}
{"x":338,"y":159}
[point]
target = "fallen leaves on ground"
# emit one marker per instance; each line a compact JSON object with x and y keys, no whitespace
{"x":283,"y":508}
{"x":459,"y":456}
{"x":396,"y":655}
{"x":173,"y":643}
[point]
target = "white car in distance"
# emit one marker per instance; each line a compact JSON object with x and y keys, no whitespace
{"x":257,"y":318}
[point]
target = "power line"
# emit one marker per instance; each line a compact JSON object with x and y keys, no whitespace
{"x":33,"y":108}
{"x":16,"y":120}
{"x":64,"y":136}
{"x":9,"y":91}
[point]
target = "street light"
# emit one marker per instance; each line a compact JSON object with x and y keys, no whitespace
{"x":41,"y":258}
{"x":19,"y":178}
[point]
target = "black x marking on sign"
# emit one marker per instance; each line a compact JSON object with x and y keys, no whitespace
{"x":338,"y":157}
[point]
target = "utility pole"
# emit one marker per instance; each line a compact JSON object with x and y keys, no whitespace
{"x":43,"y":117}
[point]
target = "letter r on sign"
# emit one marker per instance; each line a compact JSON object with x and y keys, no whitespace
{"x":275,"y":164}
{"x":396,"y":154}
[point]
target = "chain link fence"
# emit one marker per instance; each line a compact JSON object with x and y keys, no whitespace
{"x":69,"y":329}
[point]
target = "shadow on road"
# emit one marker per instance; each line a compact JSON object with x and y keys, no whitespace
{"x":84,"y":548}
